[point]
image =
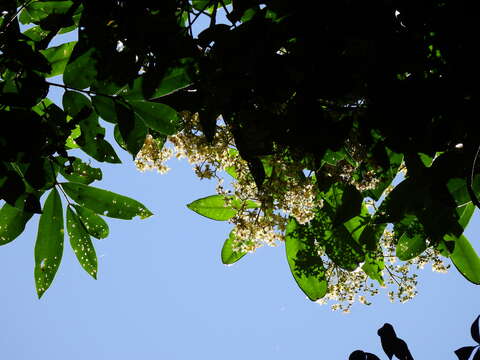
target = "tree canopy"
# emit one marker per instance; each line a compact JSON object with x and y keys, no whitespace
{"x":313,"y":109}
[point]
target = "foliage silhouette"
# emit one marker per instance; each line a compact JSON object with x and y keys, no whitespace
{"x":330,"y":84}
{"x":394,"y":346}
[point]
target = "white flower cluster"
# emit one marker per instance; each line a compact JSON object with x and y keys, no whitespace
{"x":346,"y":286}
{"x":285,"y":193}
{"x":153,"y":156}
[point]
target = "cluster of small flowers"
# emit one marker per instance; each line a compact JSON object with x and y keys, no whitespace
{"x":284,"y":194}
{"x":344,"y":171}
{"x":281,"y":196}
{"x":152,"y":156}
{"x":345,"y":286}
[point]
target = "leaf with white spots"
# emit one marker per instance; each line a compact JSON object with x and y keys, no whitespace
{"x":81,"y":243}
{"x":12,"y":223}
{"x":105,"y":202}
{"x":94,"y":224}
{"x":49,"y":244}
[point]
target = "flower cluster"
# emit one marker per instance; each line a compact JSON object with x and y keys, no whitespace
{"x":286,"y":192}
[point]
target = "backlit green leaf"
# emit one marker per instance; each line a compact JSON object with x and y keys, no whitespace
{"x":12,"y":223}
{"x":81,"y":69}
{"x":306,"y":266}
{"x":81,"y":243}
{"x":49,"y":244}
{"x":213,"y":207}
{"x":229,"y":256}
{"x":465,"y":259}
{"x":159,"y":117}
{"x":58,"y":57}
{"x":81,"y":172}
{"x":409,"y":247}
{"x":145,"y":88}
{"x":105,"y":202}
{"x":94,"y":224}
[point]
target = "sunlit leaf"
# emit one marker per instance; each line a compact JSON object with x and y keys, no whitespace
{"x":49,"y":244}
{"x":145,"y":88}
{"x":229,"y":256}
{"x":105,"y":202}
{"x":81,"y":69}
{"x":81,"y":243}
{"x":81,"y":172}
{"x":159,"y":117}
{"x":409,"y":247}
{"x":58,"y":57}
{"x":94,"y":224}
{"x":465,"y":259}
{"x":213,"y":207}
{"x":12,"y":223}
{"x":306,"y":266}
{"x":373,"y":268}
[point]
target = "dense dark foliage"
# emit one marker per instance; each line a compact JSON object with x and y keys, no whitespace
{"x":365,"y":83}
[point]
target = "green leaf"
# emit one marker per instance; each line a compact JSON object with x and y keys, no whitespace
{"x":213,"y":207}
{"x":305,"y":264}
{"x":409,"y":247}
{"x":156,"y":116}
{"x":49,"y":244}
{"x":58,"y":57}
{"x":81,"y":69}
{"x":373,"y":268}
{"x":229,"y":256}
{"x":346,"y":200}
{"x":465,"y":213}
{"x":131,"y":127}
{"x":105,"y":202}
{"x":93,"y":223}
{"x":465,"y":259}
{"x":81,"y":243}
{"x":12,"y":223}
{"x":91,"y":139}
{"x":81,"y":172}
{"x":36,"y":33}
{"x":145,"y":87}
{"x":458,"y":189}
{"x":35,"y":11}
{"x":105,"y":108}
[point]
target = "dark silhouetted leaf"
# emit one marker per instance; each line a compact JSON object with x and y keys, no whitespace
{"x":475,"y":331}
{"x":464,"y":352}
{"x":49,"y":244}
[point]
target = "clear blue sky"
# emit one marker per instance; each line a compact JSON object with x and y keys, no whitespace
{"x":163,"y":293}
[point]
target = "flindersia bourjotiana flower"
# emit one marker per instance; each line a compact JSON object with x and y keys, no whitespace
{"x":284,"y":195}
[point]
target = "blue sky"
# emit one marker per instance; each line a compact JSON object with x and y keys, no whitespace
{"x":163,"y":293}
